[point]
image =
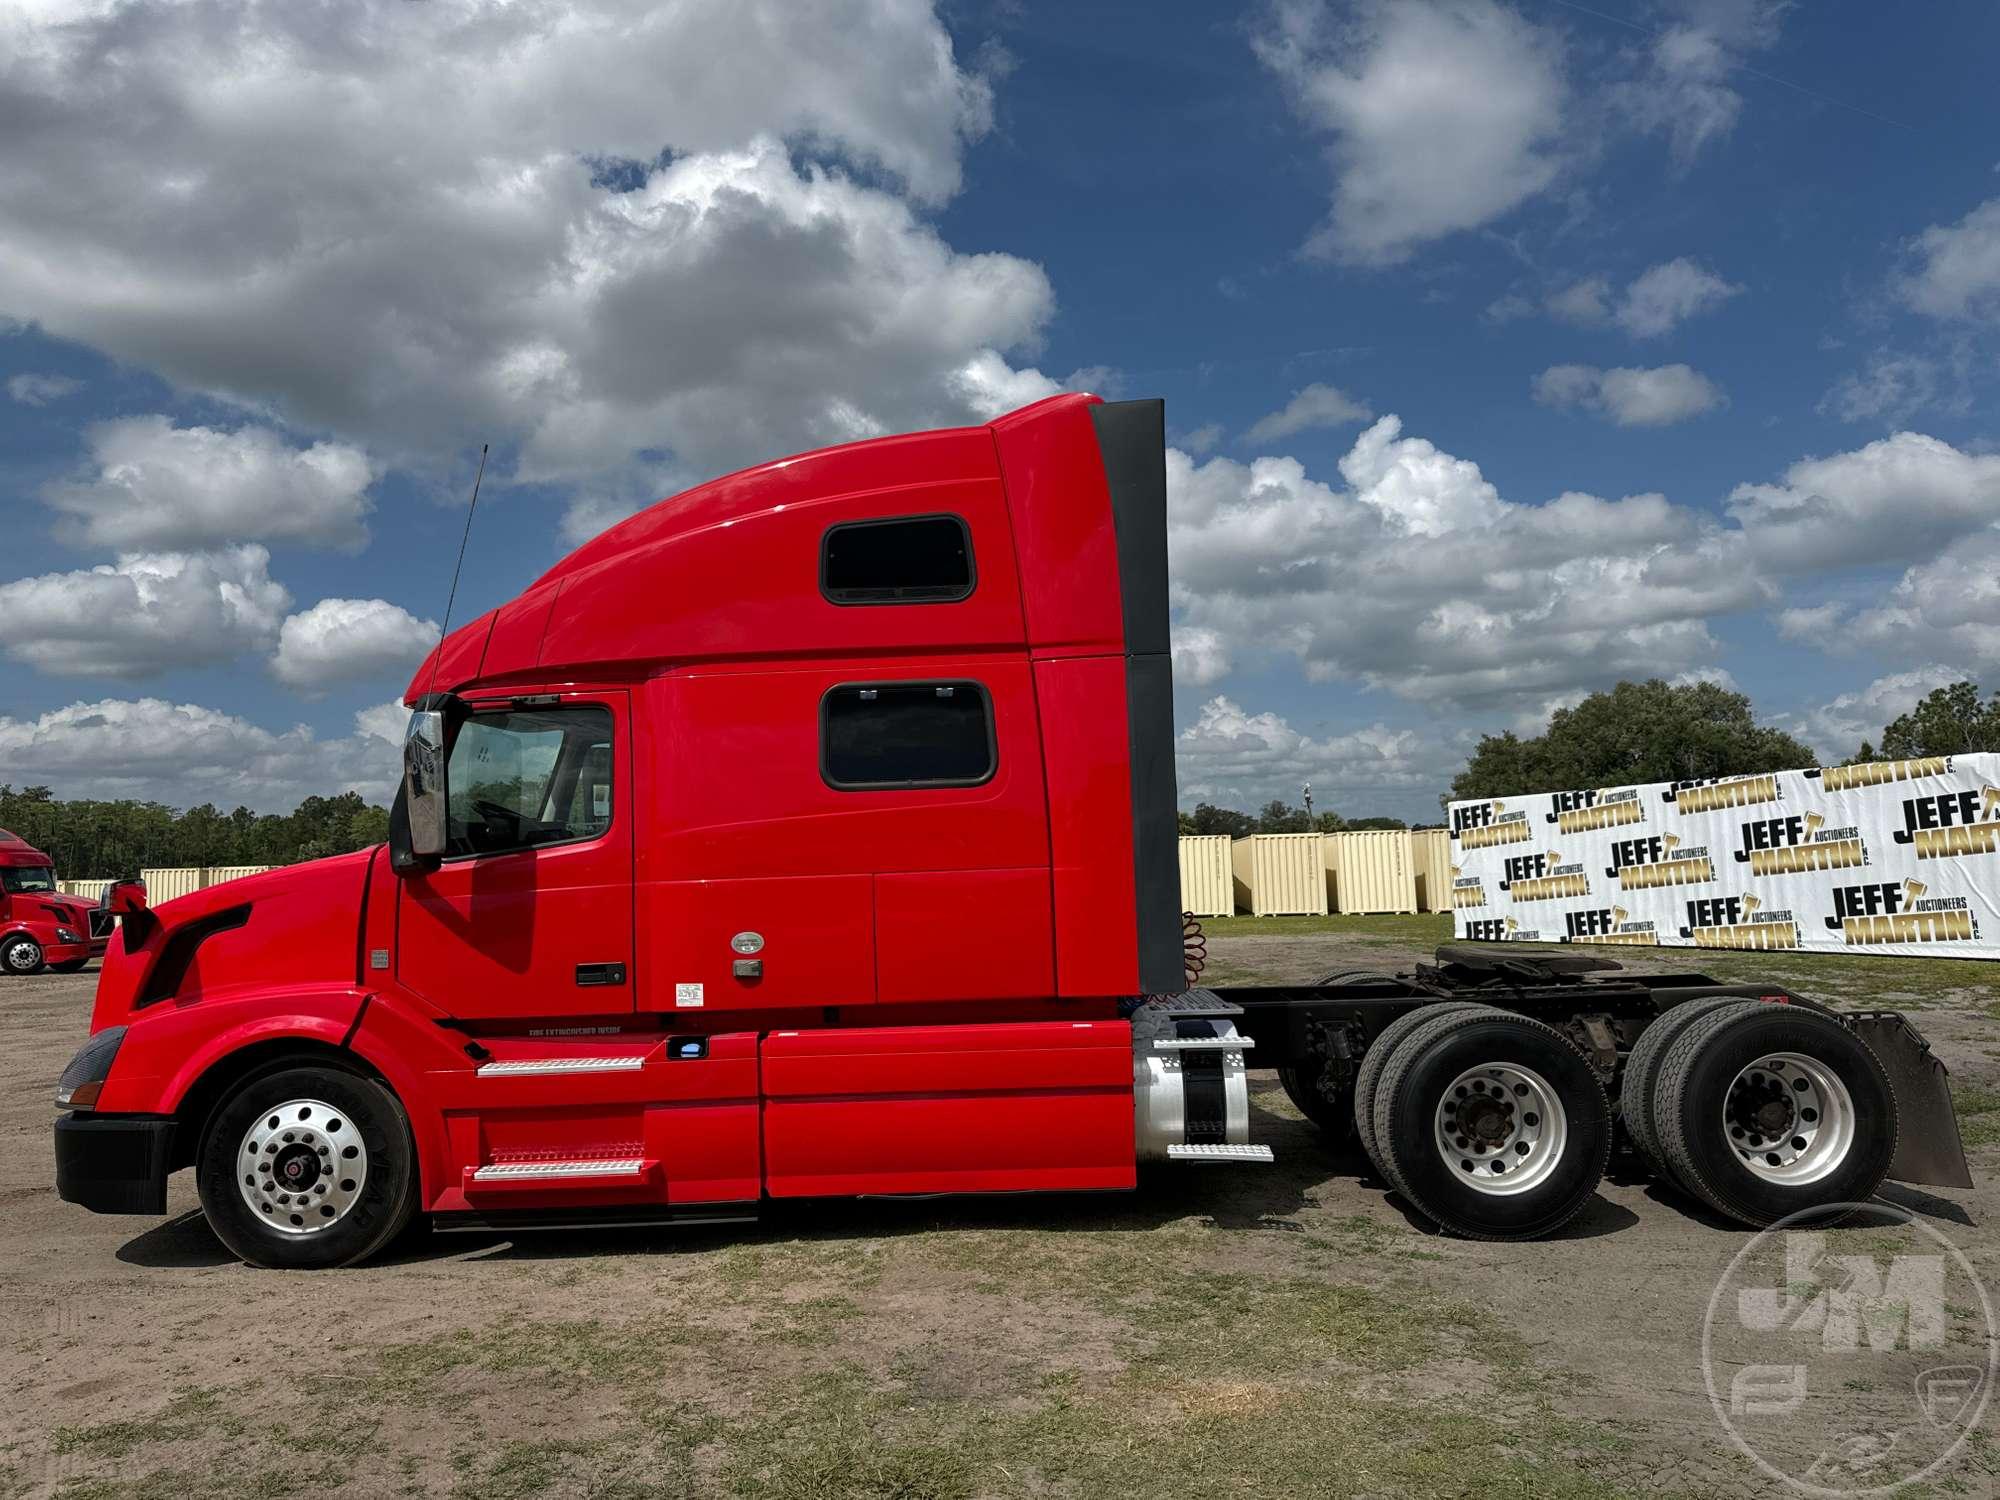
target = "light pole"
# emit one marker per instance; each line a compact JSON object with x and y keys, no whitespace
{"x":1309,"y":806}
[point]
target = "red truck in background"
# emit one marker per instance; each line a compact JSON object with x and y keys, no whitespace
{"x":40,"y":927}
{"x":812,"y":833}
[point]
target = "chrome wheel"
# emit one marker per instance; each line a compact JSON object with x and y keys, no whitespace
{"x":24,"y":955}
{"x":1789,"y":1118}
{"x":1501,"y":1128}
{"x":302,"y":1166}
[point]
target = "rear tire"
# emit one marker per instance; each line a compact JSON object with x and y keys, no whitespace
{"x":344,"y":1142}
{"x":1642,"y":1073}
{"x":1775,"y":1110}
{"x":1493,"y":1125}
{"x":20,"y":955}
{"x":1376,"y":1058}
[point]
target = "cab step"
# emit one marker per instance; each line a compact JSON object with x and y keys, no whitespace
{"x":1192,"y":1004}
{"x":1202,"y":1043}
{"x":1218,"y":1152}
{"x":540,"y":1067}
{"x":580,"y":1170}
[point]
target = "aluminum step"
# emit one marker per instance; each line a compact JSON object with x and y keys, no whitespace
{"x":536,"y":1067}
{"x":1202,"y":1043}
{"x":1218,"y":1152}
{"x":627,"y":1167}
{"x":1191,"y":1004}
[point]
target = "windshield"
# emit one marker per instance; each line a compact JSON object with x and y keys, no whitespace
{"x":18,"y":880}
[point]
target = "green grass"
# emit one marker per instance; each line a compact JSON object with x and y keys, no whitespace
{"x":1425,"y":930}
{"x":1978,"y":1110}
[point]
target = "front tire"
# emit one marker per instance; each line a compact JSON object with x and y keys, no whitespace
{"x":1492,"y":1125}
{"x":307,"y":1168}
{"x":1775,"y":1110}
{"x":21,"y":956}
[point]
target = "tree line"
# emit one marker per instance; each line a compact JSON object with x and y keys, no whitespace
{"x":1275,"y":817}
{"x":97,"y":840}
{"x":1659,"y":731}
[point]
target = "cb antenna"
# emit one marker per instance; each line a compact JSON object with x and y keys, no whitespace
{"x":451,"y":598}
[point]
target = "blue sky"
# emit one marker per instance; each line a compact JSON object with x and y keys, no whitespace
{"x":1508,"y":349}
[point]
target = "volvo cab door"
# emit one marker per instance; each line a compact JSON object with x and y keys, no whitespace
{"x":530,"y":912}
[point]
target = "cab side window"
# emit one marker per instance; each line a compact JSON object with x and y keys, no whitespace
{"x":905,"y":560}
{"x":528,"y":778}
{"x":880,"y":736}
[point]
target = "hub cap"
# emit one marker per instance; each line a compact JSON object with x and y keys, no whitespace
{"x":1501,"y":1128}
{"x":24,"y":956}
{"x":302,"y":1166}
{"x":1789,"y":1118}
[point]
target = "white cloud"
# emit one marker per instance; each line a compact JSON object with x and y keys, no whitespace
{"x":1682,"y":88}
{"x":1420,"y":579}
{"x":1239,"y":759}
{"x":1946,"y":608}
{"x":344,"y":640}
{"x":408,"y":227}
{"x":1957,"y":270}
{"x":1837,"y":728}
{"x":149,"y":483}
{"x":1668,"y":294}
{"x":40,"y":390}
{"x":1443,"y":115}
{"x":1317,"y":405}
{"x":144,"y":614}
{"x":1630,"y":397}
{"x":1200,"y":656}
{"x":1891,"y":388}
{"x":1203,"y":439}
{"x":183,"y":754}
{"x":1898,"y":499}
{"x":1585,"y":302}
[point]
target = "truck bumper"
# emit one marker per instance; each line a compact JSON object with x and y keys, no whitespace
{"x":62,"y":953}
{"x":114,"y":1164}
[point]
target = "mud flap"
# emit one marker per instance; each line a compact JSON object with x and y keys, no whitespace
{"x":1928,"y":1149}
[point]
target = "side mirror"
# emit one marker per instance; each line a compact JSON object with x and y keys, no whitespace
{"x":124,"y":897}
{"x":424,"y":783}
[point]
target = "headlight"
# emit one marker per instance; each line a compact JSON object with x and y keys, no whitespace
{"x":83,"y":1080}
{"x":64,"y":935}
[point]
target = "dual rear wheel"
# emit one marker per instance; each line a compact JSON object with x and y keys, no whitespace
{"x":1491,"y":1124}
{"x":1761,"y":1111}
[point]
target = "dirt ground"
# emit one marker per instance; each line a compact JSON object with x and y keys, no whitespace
{"x":1285,"y":1331}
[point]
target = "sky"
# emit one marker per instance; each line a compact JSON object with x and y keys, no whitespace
{"x":1508,"y":349}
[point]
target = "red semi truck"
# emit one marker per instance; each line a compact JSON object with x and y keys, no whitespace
{"x":40,"y":927}
{"x":812,"y":833}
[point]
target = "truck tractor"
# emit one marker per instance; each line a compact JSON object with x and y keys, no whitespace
{"x":812,"y":833}
{"x":40,"y":927}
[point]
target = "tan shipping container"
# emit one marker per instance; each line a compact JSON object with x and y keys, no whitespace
{"x":168,"y":884}
{"x":90,"y":890}
{"x":1207,"y":878}
{"x":1280,"y":874}
{"x":1370,"y":871}
{"x":216,"y":874}
{"x":1430,"y":852}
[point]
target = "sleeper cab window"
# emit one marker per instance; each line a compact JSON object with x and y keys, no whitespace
{"x":883,"y":736}
{"x":905,"y":560}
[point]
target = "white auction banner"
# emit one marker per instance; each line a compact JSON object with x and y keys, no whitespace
{"x":1893,"y":857}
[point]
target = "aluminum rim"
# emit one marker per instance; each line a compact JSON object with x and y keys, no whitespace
{"x":1501,"y":1128}
{"x":302,"y":1166}
{"x":1789,"y":1118}
{"x":24,"y":955}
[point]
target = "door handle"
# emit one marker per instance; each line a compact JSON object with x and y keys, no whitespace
{"x":592,"y":974}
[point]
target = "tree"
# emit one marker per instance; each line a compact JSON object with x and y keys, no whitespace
{"x":1361,"y":823}
{"x":1949,"y":721}
{"x":88,"y":839}
{"x":1638,"y":731}
{"x":1282,"y":817}
{"x":1210,"y":819}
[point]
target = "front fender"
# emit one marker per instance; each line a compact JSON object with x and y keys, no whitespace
{"x":167,"y":1050}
